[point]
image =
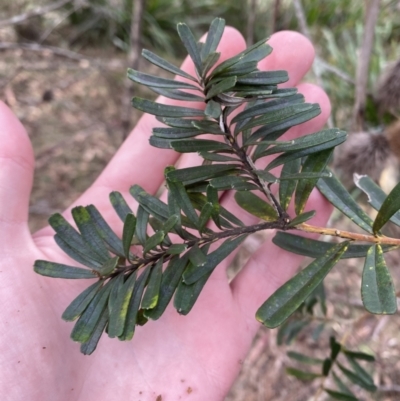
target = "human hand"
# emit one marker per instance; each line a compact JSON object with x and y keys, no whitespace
{"x":195,"y":357}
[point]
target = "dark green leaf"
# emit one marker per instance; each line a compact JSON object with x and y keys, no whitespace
{"x":157,"y":82}
{"x":166,"y":65}
{"x":326,"y":366}
{"x":340,"y":396}
{"x":255,"y":205}
{"x":176,"y":133}
{"x":335,"y":346}
{"x":376,"y":196}
{"x":209,"y":63}
{"x":377,"y":289}
{"x":359,"y":355}
{"x":74,"y":241}
{"x":169,"y":282}
{"x":134,"y":303}
{"x":177,"y":94}
{"x":304,"y":358}
{"x":150,"y":297}
{"x":389,"y":207}
{"x":286,"y":188}
{"x":356,"y":379}
{"x":89,"y":232}
{"x":213,"y":37}
{"x":119,"y":204}
{"x":89,"y":319}
{"x":109,"y":266}
{"x":59,"y":270}
{"x":141,"y":224}
{"x":301,"y":218}
{"x":164,"y":110}
{"x":153,"y":241}
{"x":190,"y":44}
{"x":314,"y":164}
{"x":232,"y":182}
{"x":210,"y":127}
{"x":213,"y":109}
{"x":225,"y":85}
{"x":264,"y":78}
{"x":197,"y":256}
{"x":105,"y":231}
{"x":150,"y":203}
{"x":205,"y":216}
{"x":337,"y":194}
{"x":198,"y":145}
{"x":342,"y":387}
{"x":216,"y":157}
{"x":176,"y":123}
{"x":89,"y":346}
{"x":171,"y":223}
{"x":128,"y":233}
{"x":176,"y":249}
{"x":79,"y":304}
{"x":361,"y":372}
{"x":301,"y":375}
{"x":118,"y":314}
{"x":280,"y":305}
{"x":192,"y":175}
{"x":194,"y":273}
{"x":238,"y":70}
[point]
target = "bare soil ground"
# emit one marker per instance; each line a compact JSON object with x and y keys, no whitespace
{"x":71,"y":112}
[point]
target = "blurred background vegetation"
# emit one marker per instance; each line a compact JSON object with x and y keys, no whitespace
{"x":62,"y":71}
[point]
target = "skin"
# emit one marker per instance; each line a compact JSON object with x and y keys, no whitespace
{"x":196,"y":357}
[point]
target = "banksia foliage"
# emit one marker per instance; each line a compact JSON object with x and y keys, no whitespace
{"x":168,"y":250}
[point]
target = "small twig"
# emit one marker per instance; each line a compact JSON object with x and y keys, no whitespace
{"x":17,"y":19}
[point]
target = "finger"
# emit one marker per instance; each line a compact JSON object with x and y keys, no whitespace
{"x":16,"y":173}
{"x":270,"y":267}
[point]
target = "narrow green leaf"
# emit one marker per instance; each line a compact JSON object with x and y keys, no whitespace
{"x":80,"y":303}
{"x":105,"y":231}
{"x":286,"y":188}
{"x":340,"y":396}
{"x":359,"y":355}
{"x":377,"y":289}
{"x":194,"y":273}
{"x":169,"y":282}
{"x":237,"y":70}
{"x":335,"y":346}
{"x":74,"y":241}
{"x":175,"y":123}
{"x":301,"y":218}
{"x":337,"y":194}
{"x":264,"y":78}
{"x":375,"y":194}
{"x":209,"y":63}
{"x":177,"y":94}
{"x":205,"y":216}
{"x":198,"y":145}
{"x":59,"y":270}
{"x":216,"y":157}
{"x":170,"y":223}
{"x":109,"y":266}
{"x":326,"y":366}
{"x":280,"y":305}
{"x":157,"y":82}
{"x":210,"y":127}
{"x":150,"y":203}
{"x":176,"y":249}
{"x":192,"y":175}
{"x":213,"y":109}
{"x":142,"y":220}
{"x":88,"y":347}
{"x":119,"y":204}
{"x":389,"y":207}
{"x":342,"y":387}
{"x":361,"y":372}
{"x":213,"y":37}
{"x":304,"y":358}
{"x":314,"y":164}
{"x":89,"y":319}
{"x":166,"y":65}
{"x":150,"y":297}
{"x":127,"y":233}
{"x":89,"y":232}
{"x":302,"y":375}
{"x":232,"y":182}
{"x":164,"y":110}
{"x":153,"y":241}
{"x":176,"y":133}
{"x":190,"y":44}
{"x":134,"y":303}
{"x":118,"y":314}
{"x":255,"y":205}
{"x":197,"y":256}
{"x":356,"y":379}
{"x":178,"y":191}
{"x":225,"y":85}
{"x":314,"y":248}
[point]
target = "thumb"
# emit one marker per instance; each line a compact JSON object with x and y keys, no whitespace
{"x":16,"y":174}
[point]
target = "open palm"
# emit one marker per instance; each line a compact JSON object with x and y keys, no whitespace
{"x":196,"y":357}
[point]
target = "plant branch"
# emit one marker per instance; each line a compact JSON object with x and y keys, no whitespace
{"x":333,"y":232}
